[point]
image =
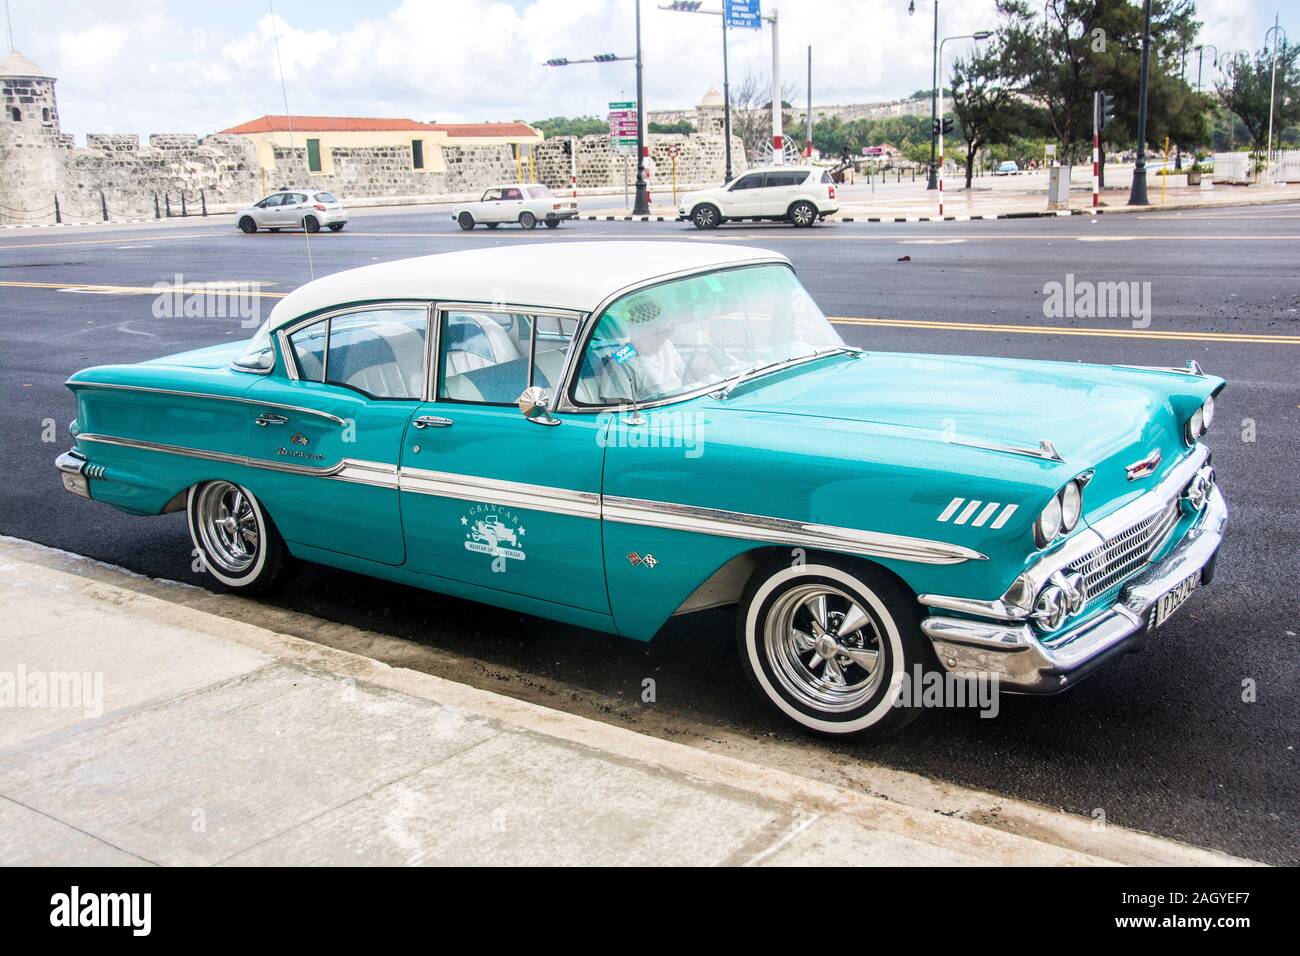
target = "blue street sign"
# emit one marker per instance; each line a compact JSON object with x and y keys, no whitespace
{"x":744,"y":14}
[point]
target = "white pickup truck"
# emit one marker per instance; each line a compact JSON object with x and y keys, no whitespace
{"x":524,"y":203}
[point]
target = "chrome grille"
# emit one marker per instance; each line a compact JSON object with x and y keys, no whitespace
{"x":1112,"y":563}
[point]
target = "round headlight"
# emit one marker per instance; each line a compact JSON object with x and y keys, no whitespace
{"x":1048,"y":525}
{"x":1071,"y":506}
{"x":1207,"y":414}
{"x":1196,"y":427}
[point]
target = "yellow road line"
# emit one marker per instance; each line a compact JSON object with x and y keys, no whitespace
{"x":189,"y":288}
{"x":1186,"y":336}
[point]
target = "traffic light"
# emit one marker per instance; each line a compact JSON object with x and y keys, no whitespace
{"x":558,"y":61}
{"x":685,"y":6}
{"x":568,"y":147}
{"x":934,"y":127}
{"x":1105,"y":109}
{"x":947,"y":126}
{"x":605,"y":58}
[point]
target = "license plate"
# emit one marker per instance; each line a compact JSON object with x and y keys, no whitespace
{"x":1173,"y":599}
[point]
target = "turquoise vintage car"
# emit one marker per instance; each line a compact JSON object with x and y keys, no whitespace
{"x":612,"y":434}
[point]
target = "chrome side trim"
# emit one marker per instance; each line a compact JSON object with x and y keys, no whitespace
{"x":784,"y":531}
{"x":587,"y":504}
{"x":242,"y":399}
{"x":349,"y":469}
{"x":510,"y":494}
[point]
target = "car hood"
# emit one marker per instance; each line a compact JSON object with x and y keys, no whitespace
{"x":1099,"y":417}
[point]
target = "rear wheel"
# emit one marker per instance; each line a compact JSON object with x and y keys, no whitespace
{"x":238,"y":543}
{"x":337,"y":226}
{"x":311,"y":223}
{"x":802,"y":214}
{"x":465,"y":221}
{"x":830,"y":643}
{"x":528,"y":220}
{"x":552,"y":224}
{"x":706,"y":216}
{"x":247,"y":224}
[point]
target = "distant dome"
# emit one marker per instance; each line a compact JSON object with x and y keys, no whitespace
{"x":15,"y":64}
{"x":712,"y":99}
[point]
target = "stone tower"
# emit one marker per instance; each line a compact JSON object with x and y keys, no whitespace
{"x":30,"y":142}
{"x":708,"y":115}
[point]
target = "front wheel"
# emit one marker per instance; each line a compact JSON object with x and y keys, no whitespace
{"x":236,"y":540}
{"x":247,"y":225}
{"x":311,"y":224}
{"x":528,"y":220}
{"x":706,"y":217}
{"x":830,"y":643}
{"x":465,"y":221}
{"x":802,"y":214}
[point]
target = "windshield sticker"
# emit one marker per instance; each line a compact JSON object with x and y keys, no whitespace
{"x":625,"y":354}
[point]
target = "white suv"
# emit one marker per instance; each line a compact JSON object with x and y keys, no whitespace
{"x":796,"y":194}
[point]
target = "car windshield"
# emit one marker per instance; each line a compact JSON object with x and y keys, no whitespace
{"x":692,"y":334}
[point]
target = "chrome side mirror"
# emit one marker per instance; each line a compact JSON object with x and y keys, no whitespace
{"x":535,"y":403}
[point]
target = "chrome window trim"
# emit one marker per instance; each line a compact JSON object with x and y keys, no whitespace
{"x":243,"y":399}
{"x":496,"y":308}
{"x":582,"y":338}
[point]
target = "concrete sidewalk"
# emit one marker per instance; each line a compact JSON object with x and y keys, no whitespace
{"x":138,"y":730}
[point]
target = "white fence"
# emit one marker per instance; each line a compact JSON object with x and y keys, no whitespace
{"x":1240,"y":168}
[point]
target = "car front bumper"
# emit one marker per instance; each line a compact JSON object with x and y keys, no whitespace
{"x":1024,"y":663}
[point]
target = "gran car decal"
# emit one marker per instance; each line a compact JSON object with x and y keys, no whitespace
{"x":494,"y":531}
{"x":980,"y":511}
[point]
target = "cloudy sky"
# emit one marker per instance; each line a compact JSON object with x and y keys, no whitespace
{"x":169,"y":66}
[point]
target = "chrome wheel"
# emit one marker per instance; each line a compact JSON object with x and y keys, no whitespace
{"x":705,"y":217}
{"x":824,"y":648}
{"x":228,"y":526}
{"x":802,"y":214}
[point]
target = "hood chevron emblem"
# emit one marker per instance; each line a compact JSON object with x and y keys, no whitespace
{"x":1143,"y":467}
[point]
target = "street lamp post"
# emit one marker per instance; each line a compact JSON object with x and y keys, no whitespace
{"x":934,"y":92}
{"x":1137,"y":194}
{"x":1200,"y":58}
{"x":1275,"y":30}
{"x":693,"y":6}
{"x":938,"y":125}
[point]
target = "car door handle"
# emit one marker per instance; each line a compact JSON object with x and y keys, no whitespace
{"x":432,"y":421}
{"x":269,"y":418}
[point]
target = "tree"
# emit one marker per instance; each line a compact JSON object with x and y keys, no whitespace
{"x":1245,"y":92}
{"x":681,"y":126}
{"x":571,"y":126}
{"x":985,"y":101}
{"x":1076,"y":47}
{"x":751,"y":112}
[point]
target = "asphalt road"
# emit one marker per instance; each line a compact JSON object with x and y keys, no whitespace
{"x":1162,"y":740}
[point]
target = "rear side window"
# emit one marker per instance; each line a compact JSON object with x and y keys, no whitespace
{"x":786,"y":179}
{"x":326,"y":197}
{"x":826,"y":177}
{"x":378,"y":352}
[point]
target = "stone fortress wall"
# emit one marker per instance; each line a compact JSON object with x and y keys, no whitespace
{"x":44,"y":174}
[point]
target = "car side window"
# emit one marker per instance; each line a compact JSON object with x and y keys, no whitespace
{"x":513,"y":194}
{"x":492,"y":195}
{"x":751,"y":181}
{"x":489,"y":358}
{"x":270,"y":201}
{"x":378,"y":352}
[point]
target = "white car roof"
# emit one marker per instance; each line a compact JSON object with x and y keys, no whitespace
{"x":559,"y":275}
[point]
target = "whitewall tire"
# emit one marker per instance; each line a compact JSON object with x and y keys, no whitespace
{"x":235,"y":539}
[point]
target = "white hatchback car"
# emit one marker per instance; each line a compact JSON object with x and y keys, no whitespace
{"x":294,"y":209}
{"x":797,"y":194}
{"x":524,"y":203}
